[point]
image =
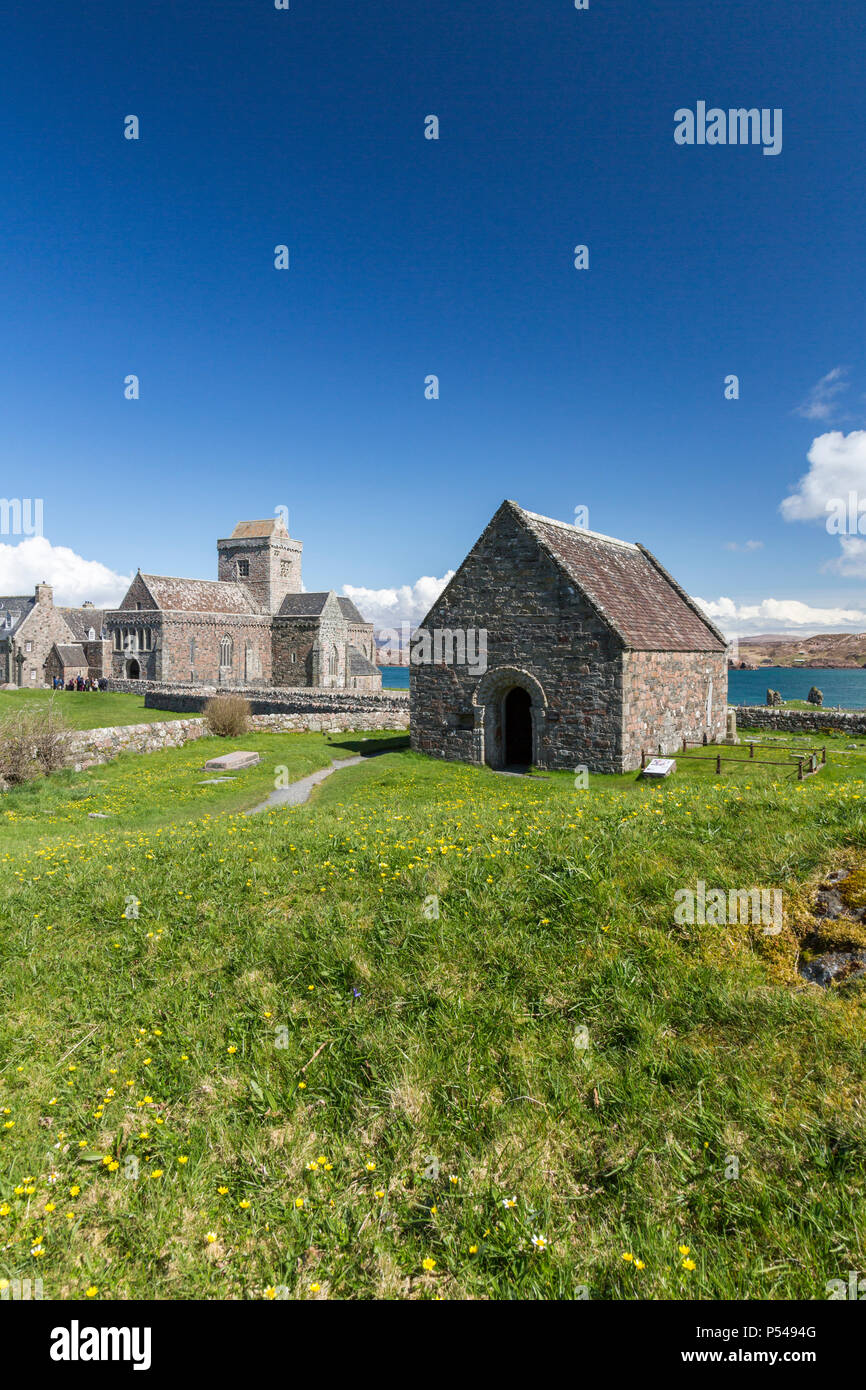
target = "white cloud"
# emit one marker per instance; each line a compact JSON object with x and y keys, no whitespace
{"x":820,"y":404}
{"x":75,"y":579}
{"x":779,"y":615}
{"x":852,"y":562}
{"x":390,"y":607}
{"x":837,"y":467}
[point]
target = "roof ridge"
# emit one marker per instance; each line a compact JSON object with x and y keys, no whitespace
{"x":180,"y":579}
{"x":578,"y":530}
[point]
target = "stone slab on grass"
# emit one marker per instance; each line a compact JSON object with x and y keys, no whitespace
{"x":232,"y":762}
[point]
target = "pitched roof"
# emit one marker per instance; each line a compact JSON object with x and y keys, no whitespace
{"x":198,"y":595}
{"x":18,"y":605}
{"x":349,"y":611}
{"x":252,"y":530}
{"x":627,"y":586}
{"x":81,"y":620}
{"x":71,"y":654}
{"x":359,"y":665}
{"x":303,"y":605}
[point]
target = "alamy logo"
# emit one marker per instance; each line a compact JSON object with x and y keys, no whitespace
{"x":855,"y":1288}
{"x":715,"y":908}
{"x":21,"y":1290}
{"x":75,"y":1343}
{"x":737,"y":126}
{"x":21,"y":516}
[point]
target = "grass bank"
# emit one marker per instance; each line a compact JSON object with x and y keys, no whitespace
{"x":436,"y":1034}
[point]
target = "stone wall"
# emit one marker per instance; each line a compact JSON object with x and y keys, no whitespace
{"x":93,"y":746}
{"x":797,"y":721}
{"x":667,"y":695}
{"x":43,"y":626}
{"x":543,"y":636}
{"x":346,"y":705}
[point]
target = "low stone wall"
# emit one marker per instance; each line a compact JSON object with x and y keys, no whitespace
{"x":90,"y":747}
{"x":348,"y":706}
{"x":797,"y":721}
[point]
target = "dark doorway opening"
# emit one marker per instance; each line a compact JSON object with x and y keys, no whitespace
{"x":133,"y":671}
{"x":518,"y":727}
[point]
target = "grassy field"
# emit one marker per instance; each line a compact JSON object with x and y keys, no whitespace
{"x":86,"y":709}
{"x":435,"y":1034}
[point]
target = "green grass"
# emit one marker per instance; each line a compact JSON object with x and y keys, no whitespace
{"x":86,"y":709}
{"x":312,"y":1035}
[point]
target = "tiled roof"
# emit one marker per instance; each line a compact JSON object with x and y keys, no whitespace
{"x":253,"y":530}
{"x":72,"y":655}
{"x":303,"y":605}
{"x":359,"y":665}
{"x":81,"y":620}
{"x":628,"y":587}
{"x":198,"y":595}
{"x":349,"y":611}
{"x":18,"y":606}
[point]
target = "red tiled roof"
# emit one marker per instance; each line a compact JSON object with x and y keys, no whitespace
{"x":628,"y":587}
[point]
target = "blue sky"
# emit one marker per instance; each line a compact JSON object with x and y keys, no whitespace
{"x":409,"y":257}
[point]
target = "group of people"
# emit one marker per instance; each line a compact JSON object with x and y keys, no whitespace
{"x":80,"y":683}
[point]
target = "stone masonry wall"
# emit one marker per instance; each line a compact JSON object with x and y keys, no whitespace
{"x":665,"y":701}
{"x":797,"y":721}
{"x":42,"y":627}
{"x":346,"y":704}
{"x":91,"y":747}
{"x":539,"y":627}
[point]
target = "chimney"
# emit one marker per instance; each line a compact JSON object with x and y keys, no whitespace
{"x":44,"y":594}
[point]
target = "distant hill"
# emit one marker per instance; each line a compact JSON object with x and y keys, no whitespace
{"x":846,"y":650}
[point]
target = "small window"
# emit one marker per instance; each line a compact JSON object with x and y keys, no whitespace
{"x":91,"y":634}
{"x":192,"y":651}
{"x":285,"y":569}
{"x":28,"y":647}
{"x":32,"y":675}
{"x":226,"y":651}
{"x":243,"y":569}
{"x":294,"y":658}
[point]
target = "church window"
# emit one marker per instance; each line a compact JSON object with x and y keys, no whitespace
{"x":191,"y":650}
{"x":294,"y":658}
{"x":285,"y":569}
{"x":91,"y":634}
{"x":28,"y":647}
{"x":243,"y":570}
{"x":226,"y":651}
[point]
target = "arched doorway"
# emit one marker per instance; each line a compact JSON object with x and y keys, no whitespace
{"x":133,"y":670}
{"x":512,"y":726}
{"x":517,"y":715}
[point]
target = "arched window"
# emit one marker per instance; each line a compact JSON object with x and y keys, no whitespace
{"x":192,"y":651}
{"x":226,"y":651}
{"x":91,"y":634}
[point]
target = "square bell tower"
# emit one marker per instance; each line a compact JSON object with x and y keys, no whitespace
{"x":263,"y":557}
